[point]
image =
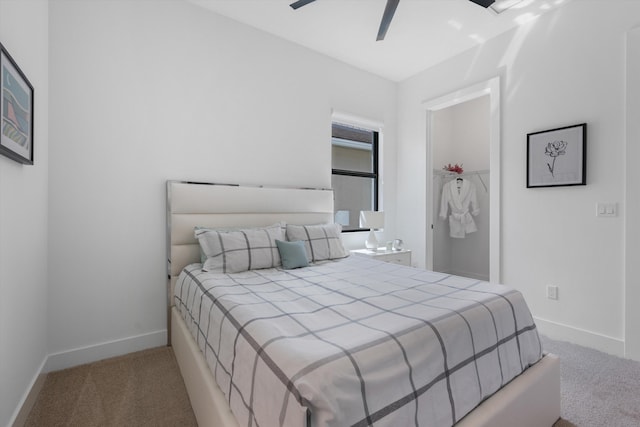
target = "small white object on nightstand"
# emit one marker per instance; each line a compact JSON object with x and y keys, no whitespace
{"x":402,"y":257}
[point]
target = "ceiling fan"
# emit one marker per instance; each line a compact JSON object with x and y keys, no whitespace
{"x":389,"y":11}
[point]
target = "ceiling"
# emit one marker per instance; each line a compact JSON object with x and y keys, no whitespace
{"x":422,"y":32}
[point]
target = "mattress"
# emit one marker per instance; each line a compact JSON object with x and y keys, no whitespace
{"x":356,"y":342}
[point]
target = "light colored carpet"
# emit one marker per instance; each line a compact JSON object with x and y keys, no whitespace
{"x":138,"y":389}
{"x":598,"y":390}
{"x":146,"y":389}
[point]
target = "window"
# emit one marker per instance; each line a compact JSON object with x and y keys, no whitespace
{"x":354,"y":158}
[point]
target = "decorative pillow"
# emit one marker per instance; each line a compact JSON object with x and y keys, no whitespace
{"x":321,"y":241}
{"x":292,"y":254}
{"x":203,"y":256}
{"x":234,"y":251}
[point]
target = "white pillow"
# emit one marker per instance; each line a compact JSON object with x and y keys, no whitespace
{"x":234,"y":251}
{"x":321,"y":241}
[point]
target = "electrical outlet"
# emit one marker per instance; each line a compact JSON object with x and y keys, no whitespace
{"x":552,"y":292}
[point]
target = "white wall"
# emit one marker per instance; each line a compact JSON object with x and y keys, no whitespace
{"x":23,"y":217}
{"x":466,"y":142}
{"x":148,"y":91}
{"x":557,"y":70}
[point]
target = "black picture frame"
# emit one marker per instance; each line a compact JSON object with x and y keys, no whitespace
{"x":16,"y":111}
{"x":557,"y":157}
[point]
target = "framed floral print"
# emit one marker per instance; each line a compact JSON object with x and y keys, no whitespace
{"x":557,"y":157}
{"x":16,"y":111}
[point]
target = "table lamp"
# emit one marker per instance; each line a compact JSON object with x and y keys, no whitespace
{"x":371,"y":220}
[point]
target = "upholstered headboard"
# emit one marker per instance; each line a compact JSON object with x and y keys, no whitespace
{"x":192,"y":204}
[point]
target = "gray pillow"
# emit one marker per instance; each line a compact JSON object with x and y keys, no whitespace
{"x":234,"y":251}
{"x":203,"y":257}
{"x":321,"y":242}
{"x":292,"y":254}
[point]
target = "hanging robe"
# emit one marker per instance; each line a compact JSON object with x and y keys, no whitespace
{"x":463,"y":203}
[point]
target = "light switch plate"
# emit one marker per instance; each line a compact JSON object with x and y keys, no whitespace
{"x":606,"y":209}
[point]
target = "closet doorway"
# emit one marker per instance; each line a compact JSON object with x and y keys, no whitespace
{"x":463,"y":128}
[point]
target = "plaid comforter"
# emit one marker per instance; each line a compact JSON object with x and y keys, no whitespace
{"x":356,"y":342}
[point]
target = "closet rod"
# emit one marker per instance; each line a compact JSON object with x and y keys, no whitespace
{"x":470,"y":173}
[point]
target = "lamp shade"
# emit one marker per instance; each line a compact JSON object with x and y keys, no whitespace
{"x":371,"y":219}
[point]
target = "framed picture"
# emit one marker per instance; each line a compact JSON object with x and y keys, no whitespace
{"x":16,"y":111}
{"x":557,"y":157}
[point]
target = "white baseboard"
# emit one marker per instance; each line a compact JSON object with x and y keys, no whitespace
{"x":93,"y":353}
{"x":560,"y":332}
{"x":468,"y":274}
{"x":23,"y":409}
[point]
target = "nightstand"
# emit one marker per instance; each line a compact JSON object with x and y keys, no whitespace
{"x":402,"y":257}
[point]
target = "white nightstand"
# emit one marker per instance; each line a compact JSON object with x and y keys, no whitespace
{"x":402,"y":257}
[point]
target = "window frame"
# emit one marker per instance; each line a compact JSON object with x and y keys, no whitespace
{"x":374,"y":174}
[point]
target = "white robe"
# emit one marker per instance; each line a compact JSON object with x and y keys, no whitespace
{"x":463,"y":203}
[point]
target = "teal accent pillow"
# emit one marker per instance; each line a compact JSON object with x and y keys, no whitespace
{"x":292,"y":254}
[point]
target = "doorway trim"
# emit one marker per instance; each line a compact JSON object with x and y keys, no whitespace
{"x":632,"y":200}
{"x":490,"y":87}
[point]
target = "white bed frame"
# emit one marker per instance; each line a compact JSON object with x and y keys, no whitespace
{"x":530,"y":400}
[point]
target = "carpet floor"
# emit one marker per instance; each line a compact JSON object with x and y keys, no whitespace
{"x":139,"y":389}
{"x":598,"y":390}
{"x":146,"y":389}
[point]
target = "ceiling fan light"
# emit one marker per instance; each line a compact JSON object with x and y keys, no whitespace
{"x":500,"y":6}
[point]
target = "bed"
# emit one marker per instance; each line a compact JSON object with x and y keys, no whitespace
{"x":286,"y":397}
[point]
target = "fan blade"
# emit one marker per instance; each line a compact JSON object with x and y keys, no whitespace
{"x":300,"y":3}
{"x":389,"y":10}
{"x":483,"y":3}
